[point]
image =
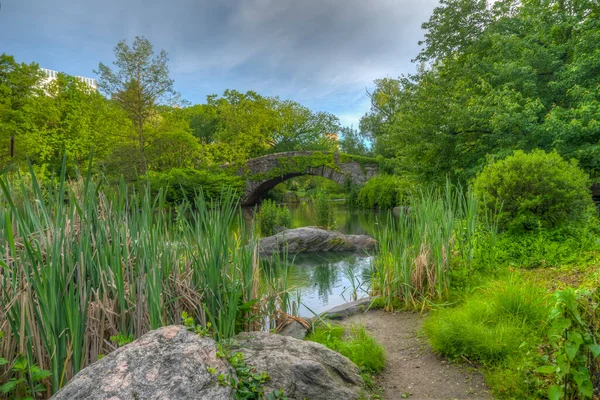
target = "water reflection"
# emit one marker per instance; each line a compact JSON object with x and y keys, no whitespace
{"x":326,"y":280}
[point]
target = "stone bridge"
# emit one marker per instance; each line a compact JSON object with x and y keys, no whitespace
{"x":264,"y":173}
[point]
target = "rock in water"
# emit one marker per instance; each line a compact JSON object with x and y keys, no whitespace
{"x":167,"y":363}
{"x":312,"y":239}
{"x":302,"y":369}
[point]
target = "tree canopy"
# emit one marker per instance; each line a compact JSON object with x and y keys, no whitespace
{"x":494,"y":78}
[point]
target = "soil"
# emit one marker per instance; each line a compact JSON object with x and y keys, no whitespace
{"x":412,"y":370}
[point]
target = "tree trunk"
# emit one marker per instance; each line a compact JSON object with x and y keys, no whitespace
{"x":142,"y":153}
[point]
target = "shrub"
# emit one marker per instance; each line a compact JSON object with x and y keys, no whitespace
{"x":184,"y":183}
{"x":529,"y":191}
{"x":324,"y":212}
{"x":272,"y":215}
{"x":385,"y":192}
{"x":356,"y":344}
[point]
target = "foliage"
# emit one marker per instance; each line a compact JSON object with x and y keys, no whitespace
{"x":121,"y":340}
{"x":324,"y":211}
{"x":184,"y":184}
{"x":19,"y":88}
{"x":352,"y":142}
{"x":248,"y":383}
{"x":493,"y":77}
{"x":139,"y":84}
{"x":548,"y":248}
{"x":355,"y":343}
{"x":386,"y":192}
{"x":28,"y":381}
{"x":534,"y":190}
{"x":574,"y":339}
{"x":103,"y":256}
{"x":271,"y":216}
{"x":248,"y":125}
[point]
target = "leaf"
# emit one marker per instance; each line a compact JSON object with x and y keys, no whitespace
{"x":555,"y":392}
{"x":571,"y":348}
{"x":546,"y":369}
{"x":595,"y":349}
{"x":584,"y":382}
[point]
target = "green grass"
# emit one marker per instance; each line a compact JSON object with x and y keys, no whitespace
{"x":499,"y":327}
{"x":354,"y":343}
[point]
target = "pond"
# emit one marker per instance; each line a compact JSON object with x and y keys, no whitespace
{"x":322,"y":281}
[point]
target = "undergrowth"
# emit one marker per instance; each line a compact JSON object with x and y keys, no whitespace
{"x":499,"y":327}
{"x":356,"y":344}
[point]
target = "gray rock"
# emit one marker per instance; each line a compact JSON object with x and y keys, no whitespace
{"x":302,"y":369}
{"x":312,"y":239}
{"x":167,"y":363}
{"x":348,"y":309}
{"x":295,"y":329}
{"x":397,"y":211}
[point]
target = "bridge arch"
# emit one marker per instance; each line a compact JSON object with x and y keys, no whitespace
{"x":264,"y":173}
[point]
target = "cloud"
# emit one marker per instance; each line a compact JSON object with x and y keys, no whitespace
{"x":323,"y":53}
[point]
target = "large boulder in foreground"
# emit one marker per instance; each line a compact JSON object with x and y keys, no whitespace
{"x":302,"y":369}
{"x":167,"y":363}
{"x":312,"y":239}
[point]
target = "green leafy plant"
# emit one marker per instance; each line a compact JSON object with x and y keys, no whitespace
{"x":121,"y":340}
{"x":271,"y":216}
{"x":248,"y":383}
{"x":324,"y":211}
{"x":27,"y":382}
{"x":536,"y":189}
{"x":575,"y":345}
{"x":180,"y":184}
{"x":191,"y":325}
{"x":385,"y":192}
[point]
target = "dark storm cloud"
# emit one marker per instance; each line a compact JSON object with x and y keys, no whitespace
{"x":323,"y":53}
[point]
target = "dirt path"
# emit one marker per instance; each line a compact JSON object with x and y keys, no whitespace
{"x":412,"y":370}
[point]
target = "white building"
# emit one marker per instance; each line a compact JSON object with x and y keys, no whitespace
{"x":52,"y":75}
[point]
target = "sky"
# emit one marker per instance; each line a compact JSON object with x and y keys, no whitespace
{"x":324,"y":54}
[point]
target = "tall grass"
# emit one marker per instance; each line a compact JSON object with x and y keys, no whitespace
{"x":80,"y":264}
{"x":421,"y":248}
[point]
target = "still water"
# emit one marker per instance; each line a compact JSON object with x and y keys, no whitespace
{"x":325,"y":280}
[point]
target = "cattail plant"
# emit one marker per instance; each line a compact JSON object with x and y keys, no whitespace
{"x":81,"y":263}
{"x":420,"y":248}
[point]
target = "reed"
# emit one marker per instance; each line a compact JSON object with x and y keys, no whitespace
{"x":81,"y":263}
{"x":419,"y":249}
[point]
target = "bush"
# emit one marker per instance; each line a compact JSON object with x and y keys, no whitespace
{"x":272,"y":215}
{"x":324,"y":212}
{"x":356,"y":344}
{"x":185,"y":183}
{"x":532,"y":191}
{"x":385,"y":192}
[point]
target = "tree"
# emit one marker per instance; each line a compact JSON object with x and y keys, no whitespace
{"x":502,"y":76}
{"x":20,"y":85}
{"x":73,"y":119}
{"x":353,"y":142}
{"x":139,"y":84}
